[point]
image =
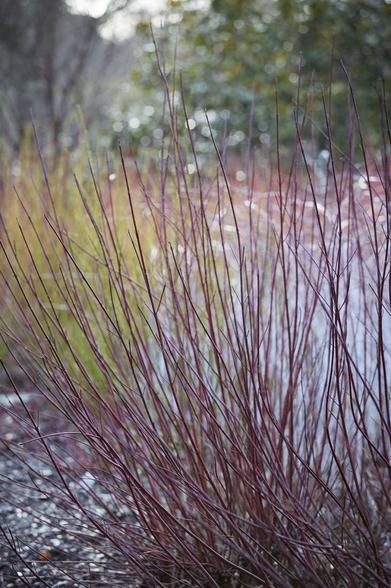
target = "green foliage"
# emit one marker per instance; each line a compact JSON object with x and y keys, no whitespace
{"x":236,"y":52}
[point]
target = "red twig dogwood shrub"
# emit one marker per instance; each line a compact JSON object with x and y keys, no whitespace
{"x":221,"y":357}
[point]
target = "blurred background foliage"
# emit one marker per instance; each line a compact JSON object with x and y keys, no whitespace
{"x":73,"y":69}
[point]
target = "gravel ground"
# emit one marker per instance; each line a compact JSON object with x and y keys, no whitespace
{"x":40,"y":544}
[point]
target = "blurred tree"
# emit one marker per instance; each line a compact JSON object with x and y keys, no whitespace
{"x":51,"y":61}
{"x":237,"y":49}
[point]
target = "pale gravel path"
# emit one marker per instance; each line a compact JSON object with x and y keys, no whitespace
{"x":74,"y":557}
